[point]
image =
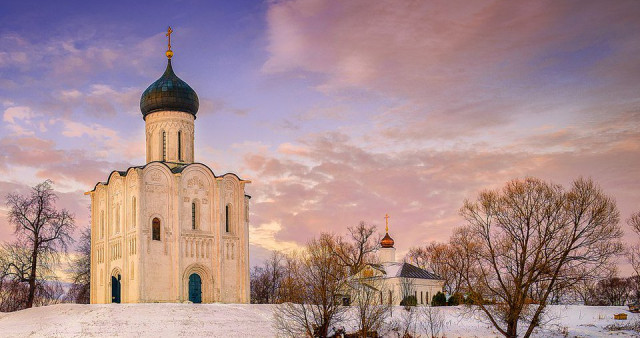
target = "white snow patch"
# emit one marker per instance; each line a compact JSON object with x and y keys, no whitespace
{"x":242,"y":320}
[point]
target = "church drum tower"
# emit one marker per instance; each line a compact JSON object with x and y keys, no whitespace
{"x":169,"y":230}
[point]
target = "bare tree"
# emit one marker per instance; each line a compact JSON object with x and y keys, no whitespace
{"x":367,"y":300}
{"x":437,"y":258}
{"x":320,"y":280}
{"x":634,"y":222}
{"x":358,"y":248}
{"x":13,"y":296}
{"x":405,"y":323}
{"x":432,"y":321}
{"x":633,"y":255}
{"x":15,"y":260}
{"x":292,"y":288}
{"x":40,"y":228}
{"x":533,"y":233}
{"x":259,"y":288}
{"x":266,"y":280}
{"x":614,"y":291}
{"x":634,"y":251}
{"x":80,"y":270}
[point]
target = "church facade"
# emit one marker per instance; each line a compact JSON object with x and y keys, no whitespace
{"x":169,"y":230}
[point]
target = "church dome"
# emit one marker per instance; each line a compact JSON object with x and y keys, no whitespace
{"x":169,"y":92}
{"x":387,"y":241}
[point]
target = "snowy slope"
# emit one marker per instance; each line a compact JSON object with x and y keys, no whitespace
{"x":234,"y":320}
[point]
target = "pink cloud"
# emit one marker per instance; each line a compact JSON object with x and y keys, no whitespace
{"x":336,"y":183}
{"x":457,"y":69}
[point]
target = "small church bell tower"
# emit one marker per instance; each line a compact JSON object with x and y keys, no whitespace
{"x":387,"y":251}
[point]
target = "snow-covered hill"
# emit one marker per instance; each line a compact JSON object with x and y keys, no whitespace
{"x":235,"y":320}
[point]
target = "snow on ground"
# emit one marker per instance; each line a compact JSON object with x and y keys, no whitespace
{"x":237,"y":320}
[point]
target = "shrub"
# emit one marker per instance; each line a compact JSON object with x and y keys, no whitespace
{"x":409,"y":301}
{"x":468,"y":300}
{"x":439,"y":299}
{"x":455,"y":299}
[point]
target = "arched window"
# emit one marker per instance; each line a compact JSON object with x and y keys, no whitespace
{"x":180,"y":146}
{"x":155,"y":225}
{"x":133,"y":212}
{"x":227,"y":213}
{"x":195,"y":215}
{"x":164,"y":146}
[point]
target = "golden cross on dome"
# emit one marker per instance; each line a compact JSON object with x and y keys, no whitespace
{"x":169,"y":51}
{"x":169,"y":31}
{"x":386,"y":218}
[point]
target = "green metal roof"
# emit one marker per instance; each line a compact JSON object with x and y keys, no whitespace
{"x":169,"y":92}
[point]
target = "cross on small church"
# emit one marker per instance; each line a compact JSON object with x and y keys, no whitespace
{"x":386,"y":218}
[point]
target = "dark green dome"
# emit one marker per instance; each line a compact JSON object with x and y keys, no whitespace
{"x":169,"y":92}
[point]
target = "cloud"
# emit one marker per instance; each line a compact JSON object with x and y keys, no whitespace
{"x":19,"y":120}
{"x":77,"y":129}
{"x":264,"y":236}
{"x":12,"y":114}
{"x":72,"y":169}
{"x":458,"y":69}
{"x":332,"y":181}
{"x":74,"y":57}
{"x":220,"y":106}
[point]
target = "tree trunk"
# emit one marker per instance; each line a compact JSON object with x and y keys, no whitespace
{"x":512,"y":329}
{"x":32,"y":277}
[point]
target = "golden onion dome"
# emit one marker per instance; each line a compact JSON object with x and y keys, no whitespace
{"x":387,"y":241}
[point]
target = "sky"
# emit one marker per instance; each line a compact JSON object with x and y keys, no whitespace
{"x":337,"y":111}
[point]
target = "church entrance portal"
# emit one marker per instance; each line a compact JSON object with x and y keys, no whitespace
{"x":195,"y":288}
{"x":115,"y":289}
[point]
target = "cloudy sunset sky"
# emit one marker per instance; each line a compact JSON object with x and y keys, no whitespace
{"x":337,"y":111}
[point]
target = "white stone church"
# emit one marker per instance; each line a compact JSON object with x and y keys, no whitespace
{"x":393,"y":280}
{"x":169,"y":230}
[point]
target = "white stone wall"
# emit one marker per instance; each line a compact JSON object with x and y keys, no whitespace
{"x":425,"y":287}
{"x":170,"y":123}
{"x":157,"y":258}
{"x":158,"y":271}
{"x":115,"y":236}
{"x":387,"y":255}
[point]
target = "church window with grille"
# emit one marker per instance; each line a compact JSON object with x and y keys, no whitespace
{"x":195,"y":213}
{"x":155,"y":225}
{"x":180,"y":146}
{"x":227,"y":213}
{"x":164,"y":146}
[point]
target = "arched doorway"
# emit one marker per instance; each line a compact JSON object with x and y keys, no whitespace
{"x":195,"y":288}
{"x":115,"y":289}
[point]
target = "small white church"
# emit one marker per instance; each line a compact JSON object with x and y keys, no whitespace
{"x":393,"y":281}
{"x":169,"y":230}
